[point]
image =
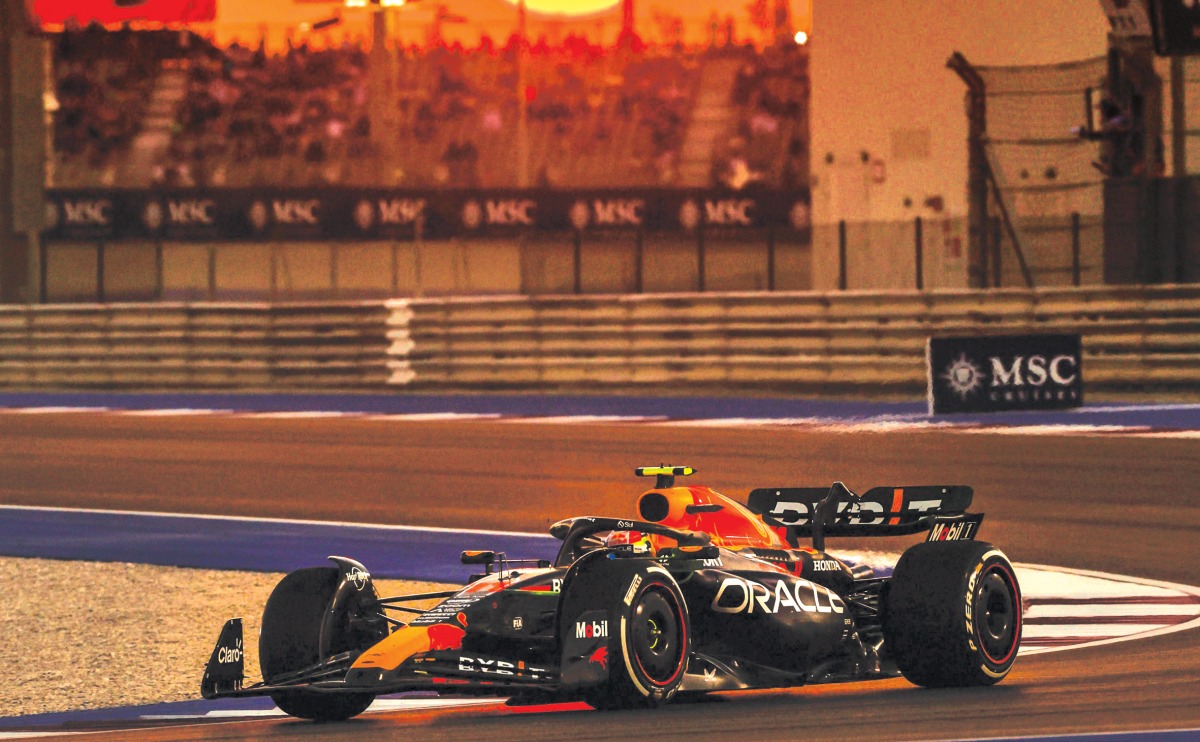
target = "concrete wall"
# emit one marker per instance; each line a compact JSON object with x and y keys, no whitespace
{"x":888,"y":118}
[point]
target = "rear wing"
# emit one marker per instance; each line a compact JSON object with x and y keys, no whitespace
{"x":816,"y":512}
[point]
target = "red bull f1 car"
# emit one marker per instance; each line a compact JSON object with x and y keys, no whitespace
{"x":698,"y":593}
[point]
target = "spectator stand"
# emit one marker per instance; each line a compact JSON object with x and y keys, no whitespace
{"x":769,"y":140}
{"x":598,"y":117}
{"x":102,"y":81}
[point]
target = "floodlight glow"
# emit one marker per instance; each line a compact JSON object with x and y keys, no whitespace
{"x":801,"y":38}
{"x":568,"y":7}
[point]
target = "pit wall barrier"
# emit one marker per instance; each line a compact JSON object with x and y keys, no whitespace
{"x":860,"y":342}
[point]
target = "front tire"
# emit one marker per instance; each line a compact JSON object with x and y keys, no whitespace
{"x":952,"y":614}
{"x":654,"y":639}
{"x":291,"y":641}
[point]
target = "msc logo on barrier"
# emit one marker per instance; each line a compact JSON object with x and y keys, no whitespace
{"x":388,"y":212}
{"x":284,"y":212}
{"x":177,"y":212}
{"x":718,"y":212}
{"x":501,"y":212}
{"x":607,"y":212}
{"x":989,"y":374}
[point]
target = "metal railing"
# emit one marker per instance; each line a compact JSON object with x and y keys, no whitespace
{"x":849,"y":342}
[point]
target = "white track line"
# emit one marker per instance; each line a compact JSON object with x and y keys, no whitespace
{"x":420,"y":417}
{"x":880,"y":424}
{"x":577,"y":419}
{"x":301,"y":415}
{"x":281,"y":521}
{"x":1088,"y":630}
{"x":1098,"y":610}
{"x":1190,"y":434}
{"x":1141,"y":408}
{"x":1146,"y":735}
{"x":181,"y":412}
{"x":1047,"y":584}
{"x":53,"y":410}
{"x":743,"y":422}
{"x":1058,"y":429}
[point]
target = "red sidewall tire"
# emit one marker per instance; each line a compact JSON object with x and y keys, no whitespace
{"x":655,"y":640}
{"x":952,"y":614}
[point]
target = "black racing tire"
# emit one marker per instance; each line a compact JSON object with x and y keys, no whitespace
{"x":654,"y":637}
{"x":291,"y":640}
{"x":952,"y":614}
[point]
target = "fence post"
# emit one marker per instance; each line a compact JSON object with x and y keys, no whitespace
{"x":1076,"y":277}
{"x":159,"y":281}
{"x":771,"y":258}
{"x":43,"y":272}
{"x":212,"y":272}
{"x":640,"y":258}
{"x":274,"y":273}
{"x":578,"y":258}
{"x":919,"y":244}
{"x":418,"y":248}
{"x":334,"y":253}
{"x":842,"y":255}
{"x":395,"y":268}
{"x":996,"y":247}
{"x":985,"y":252}
{"x":100,"y":272}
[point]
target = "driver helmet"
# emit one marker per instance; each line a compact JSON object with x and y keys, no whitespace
{"x":640,"y":542}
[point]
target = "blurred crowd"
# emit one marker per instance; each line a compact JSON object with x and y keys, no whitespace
{"x":771,"y":94}
{"x":102,"y":82}
{"x":437,"y":116}
{"x":246,"y":110}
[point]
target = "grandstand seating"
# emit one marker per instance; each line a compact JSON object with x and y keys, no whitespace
{"x":102,"y":80}
{"x":596,"y":117}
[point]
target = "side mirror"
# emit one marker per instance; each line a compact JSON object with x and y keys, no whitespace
{"x":478,"y":557}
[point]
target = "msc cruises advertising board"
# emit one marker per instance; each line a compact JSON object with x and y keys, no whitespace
{"x":1009,"y":372}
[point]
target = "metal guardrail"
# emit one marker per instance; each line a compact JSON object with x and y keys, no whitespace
{"x":204,"y":346}
{"x":809,"y":342}
{"x":805,"y":342}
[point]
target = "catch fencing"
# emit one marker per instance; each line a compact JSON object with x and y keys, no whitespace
{"x":1134,"y":338}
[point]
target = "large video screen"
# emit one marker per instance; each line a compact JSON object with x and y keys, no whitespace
{"x":110,"y":12}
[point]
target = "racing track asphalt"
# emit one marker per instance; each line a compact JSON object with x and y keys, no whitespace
{"x":1111,"y":503}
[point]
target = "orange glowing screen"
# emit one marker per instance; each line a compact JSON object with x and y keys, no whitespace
{"x":108,"y":12}
{"x":568,"y":7}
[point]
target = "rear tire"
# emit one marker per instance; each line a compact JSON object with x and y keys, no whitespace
{"x":952,"y":614}
{"x":291,"y":641}
{"x":654,"y":638}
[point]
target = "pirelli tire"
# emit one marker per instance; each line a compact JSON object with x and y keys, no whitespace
{"x":290,"y":640}
{"x":651,"y":644}
{"x":952,"y":614}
